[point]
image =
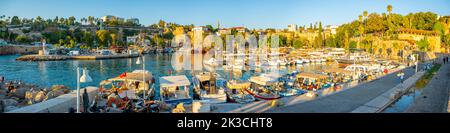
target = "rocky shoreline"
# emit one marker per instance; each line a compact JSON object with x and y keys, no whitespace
{"x":15,"y":94}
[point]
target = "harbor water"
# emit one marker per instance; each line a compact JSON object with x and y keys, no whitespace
{"x":48,"y":73}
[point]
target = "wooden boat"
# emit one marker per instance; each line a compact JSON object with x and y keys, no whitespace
{"x":205,"y":88}
{"x":130,"y":84}
{"x":339,"y":75}
{"x":211,"y":62}
{"x":264,"y":86}
{"x":312,"y":81}
{"x":288,"y":88}
{"x":175,"y":89}
{"x":236,"y":92}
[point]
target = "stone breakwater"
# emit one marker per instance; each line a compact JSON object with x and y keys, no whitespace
{"x":19,"y":49}
{"x":64,"y":57}
{"x":17,"y":95}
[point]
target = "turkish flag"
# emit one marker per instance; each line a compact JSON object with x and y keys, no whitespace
{"x":124,"y":74}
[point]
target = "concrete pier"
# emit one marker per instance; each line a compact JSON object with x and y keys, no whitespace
{"x":435,"y":95}
{"x":347,"y":100}
{"x":379,"y":103}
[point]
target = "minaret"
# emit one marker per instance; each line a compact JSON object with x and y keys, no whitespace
{"x":218,"y":24}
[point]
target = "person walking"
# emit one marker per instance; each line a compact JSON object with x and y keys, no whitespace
{"x":400,"y":76}
{"x":443,"y":60}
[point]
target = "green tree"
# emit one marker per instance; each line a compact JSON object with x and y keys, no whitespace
{"x":389,"y":9}
{"x":424,"y":20}
{"x":88,"y":39}
{"x":21,"y":39}
{"x":71,"y":20}
{"x":423,"y":45}
{"x":103,"y":37}
{"x":15,"y":20}
{"x":353,"y":45}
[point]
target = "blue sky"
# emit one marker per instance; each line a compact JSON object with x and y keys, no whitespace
{"x":249,"y":13}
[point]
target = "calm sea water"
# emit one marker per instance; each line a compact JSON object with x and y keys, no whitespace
{"x":48,"y":73}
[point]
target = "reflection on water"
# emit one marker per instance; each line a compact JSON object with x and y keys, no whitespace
{"x":48,"y":73}
{"x":404,"y":102}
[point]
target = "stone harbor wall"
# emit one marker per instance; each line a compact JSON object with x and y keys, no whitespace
{"x":17,"y":49}
{"x":59,"y":104}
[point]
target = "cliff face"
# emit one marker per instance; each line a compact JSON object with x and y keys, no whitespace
{"x":7,"y":50}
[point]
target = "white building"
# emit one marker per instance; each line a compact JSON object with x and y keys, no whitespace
{"x":292,"y":27}
{"x":133,"y":20}
{"x":132,"y":39}
{"x":199,"y":29}
{"x":110,"y":18}
{"x":332,"y":29}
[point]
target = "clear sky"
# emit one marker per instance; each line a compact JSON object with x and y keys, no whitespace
{"x":249,"y":13}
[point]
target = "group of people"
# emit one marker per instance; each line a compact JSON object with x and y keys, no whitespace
{"x":445,"y":60}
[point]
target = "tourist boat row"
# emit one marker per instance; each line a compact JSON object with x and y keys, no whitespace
{"x":135,"y":91}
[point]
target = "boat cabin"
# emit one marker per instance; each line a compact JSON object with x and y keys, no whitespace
{"x":130,"y":84}
{"x":312,"y":81}
{"x":175,"y":89}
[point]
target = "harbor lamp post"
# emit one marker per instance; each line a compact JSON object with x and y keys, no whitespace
{"x":143,"y":72}
{"x":83,"y":79}
{"x":416,"y":61}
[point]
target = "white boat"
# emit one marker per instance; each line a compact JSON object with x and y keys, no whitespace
{"x":282,"y":62}
{"x":211,"y":62}
{"x":273,"y":63}
{"x":236,"y":92}
{"x":175,"y":89}
{"x":299,"y":61}
{"x":205,"y":87}
{"x":131,"y":84}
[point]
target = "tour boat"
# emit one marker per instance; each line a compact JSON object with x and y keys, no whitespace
{"x":175,"y":89}
{"x":236,"y":91}
{"x":312,"y":81}
{"x":211,"y":62}
{"x":205,"y":87}
{"x":299,"y":61}
{"x":264,"y":86}
{"x":130,"y":85}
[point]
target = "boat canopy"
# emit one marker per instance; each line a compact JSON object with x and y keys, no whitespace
{"x":311,"y":76}
{"x":238,"y":85}
{"x":203,"y":77}
{"x":133,"y":76}
{"x":336,"y":70}
{"x":174,"y":81}
{"x":263,"y":80}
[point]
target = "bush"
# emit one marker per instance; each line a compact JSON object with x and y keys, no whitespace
{"x":21,"y":39}
{"x":423,"y":81}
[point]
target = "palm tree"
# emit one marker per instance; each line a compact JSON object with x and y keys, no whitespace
{"x":365,"y":14}
{"x":91,"y":20}
{"x":389,"y":9}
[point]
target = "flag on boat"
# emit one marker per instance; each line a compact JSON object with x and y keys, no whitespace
{"x":123,"y":75}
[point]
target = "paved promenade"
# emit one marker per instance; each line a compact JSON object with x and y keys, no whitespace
{"x":434,"y":97}
{"x":348,"y":100}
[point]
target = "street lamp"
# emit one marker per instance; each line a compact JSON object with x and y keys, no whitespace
{"x":138,"y":61}
{"x":83,"y":79}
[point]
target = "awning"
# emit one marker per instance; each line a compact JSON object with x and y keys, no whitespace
{"x":238,"y":85}
{"x":336,"y":70}
{"x":262,"y":80}
{"x":134,"y":76}
{"x":203,"y":77}
{"x":311,"y":76}
{"x":174,"y":81}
